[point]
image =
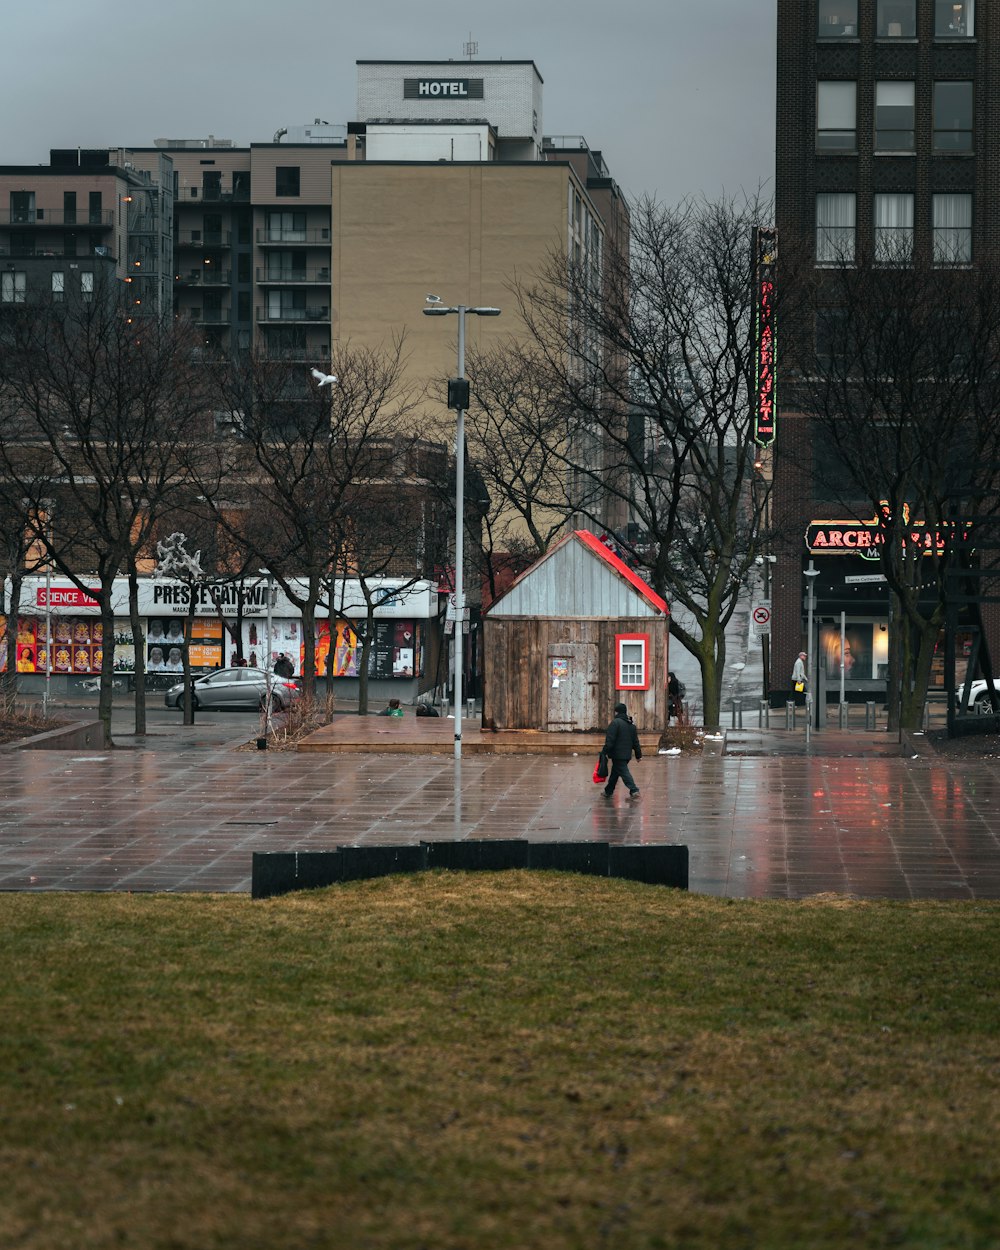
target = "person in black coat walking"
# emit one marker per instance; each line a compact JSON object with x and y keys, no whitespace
{"x":620,"y":741}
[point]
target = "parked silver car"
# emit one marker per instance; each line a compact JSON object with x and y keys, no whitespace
{"x":237,"y":688}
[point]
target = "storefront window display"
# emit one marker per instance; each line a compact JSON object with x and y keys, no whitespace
{"x":858,"y":651}
{"x":396,"y":651}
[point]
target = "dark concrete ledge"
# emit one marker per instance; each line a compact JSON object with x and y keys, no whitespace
{"x":75,"y":737}
{"x":281,"y":872}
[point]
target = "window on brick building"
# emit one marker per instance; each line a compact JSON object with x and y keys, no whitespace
{"x":832,"y":330}
{"x":13,"y":287}
{"x":896,"y":19}
{"x":895,"y":113}
{"x":952,"y":229}
{"x":953,"y":117}
{"x":838,"y":19}
{"x":835,"y":227}
{"x":893,"y":226}
{"x":954,"y":19}
{"x":836,"y":116}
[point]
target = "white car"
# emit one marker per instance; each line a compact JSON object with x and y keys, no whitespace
{"x":979,"y":699}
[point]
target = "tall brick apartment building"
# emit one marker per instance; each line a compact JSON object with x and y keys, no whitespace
{"x":888,"y":120}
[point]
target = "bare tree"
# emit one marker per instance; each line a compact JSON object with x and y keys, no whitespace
{"x":389,"y":545}
{"x":516,"y":479}
{"x":303,"y":454}
{"x":656,"y":386}
{"x":19,"y":557}
{"x":902,"y":379}
{"x":98,"y":405}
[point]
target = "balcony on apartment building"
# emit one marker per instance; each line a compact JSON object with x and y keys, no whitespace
{"x":208,"y":316}
{"x":204,"y":275}
{"x":305,"y":352}
{"x":274,"y":314}
{"x":215,"y":195}
{"x":281,"y":275}
{"x":293,"y":236}
{"x":96,"y":220}
{"x":200,"y":239}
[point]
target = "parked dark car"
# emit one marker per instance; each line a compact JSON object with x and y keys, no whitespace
{"x":237,"y":688}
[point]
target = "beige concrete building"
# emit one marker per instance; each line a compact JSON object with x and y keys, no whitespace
{"x":466,"y":232}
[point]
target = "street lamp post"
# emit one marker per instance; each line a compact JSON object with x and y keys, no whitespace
{"x":812,"y":572}
{"x":458,"y":398}
{"x":267,"y":658}
{"x":46,"y":696}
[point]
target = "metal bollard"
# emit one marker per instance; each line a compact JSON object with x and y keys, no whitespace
{"x":845,"y":716}
{"x":927,"y":717}
{"x":790,"y":714}
{"x":764,"y":715}
{"x":737,"y":713}
{"x":869,"y":716}
{"x":470,"y":708}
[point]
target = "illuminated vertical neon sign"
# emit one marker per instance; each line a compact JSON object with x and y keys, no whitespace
{"x":765,"y":259}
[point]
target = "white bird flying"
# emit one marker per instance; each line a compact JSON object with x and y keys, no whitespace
{"x":324,"y":379}
{"x":432,"y":299}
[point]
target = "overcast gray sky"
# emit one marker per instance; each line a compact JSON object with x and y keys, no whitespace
{"x":679,"y":96}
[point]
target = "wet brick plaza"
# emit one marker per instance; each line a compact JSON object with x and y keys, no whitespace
{"x":768,"y":819}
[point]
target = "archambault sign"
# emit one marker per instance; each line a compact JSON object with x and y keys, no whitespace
{"x":864,"y":538}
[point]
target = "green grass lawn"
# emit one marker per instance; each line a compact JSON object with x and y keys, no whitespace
{"x":498,"y":1060}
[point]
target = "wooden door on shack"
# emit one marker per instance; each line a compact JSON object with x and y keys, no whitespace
{"x":572,"y":676}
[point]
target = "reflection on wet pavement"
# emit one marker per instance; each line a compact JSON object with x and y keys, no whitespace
{"x":773,"y":826}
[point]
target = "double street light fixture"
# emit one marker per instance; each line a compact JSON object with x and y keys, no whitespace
{"x":458,"y":398}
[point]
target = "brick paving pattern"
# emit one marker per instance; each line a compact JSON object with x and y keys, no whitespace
{"x":186,"y":811}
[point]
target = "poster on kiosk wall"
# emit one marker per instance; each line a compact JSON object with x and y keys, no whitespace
{"x":77,"y":645}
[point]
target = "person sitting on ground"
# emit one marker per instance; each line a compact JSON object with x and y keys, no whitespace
{"x":392,"y":710}
{"x":426,"y":709}
{"x":283,"y":666}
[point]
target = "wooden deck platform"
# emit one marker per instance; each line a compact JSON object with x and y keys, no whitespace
{"x":414,"y":735}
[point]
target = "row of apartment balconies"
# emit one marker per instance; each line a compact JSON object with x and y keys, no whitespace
{"x":212,"y":275}
{"x":265,"y":237}
{"x":101,"y":219}
{"x":319,"y":315}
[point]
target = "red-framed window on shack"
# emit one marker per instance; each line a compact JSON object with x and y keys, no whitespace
{"x":632,"y":661}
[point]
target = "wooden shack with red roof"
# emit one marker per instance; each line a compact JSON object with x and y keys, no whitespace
{"x":575,"y":634}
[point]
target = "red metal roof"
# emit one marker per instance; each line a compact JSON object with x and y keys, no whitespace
{"x":631,"y":576}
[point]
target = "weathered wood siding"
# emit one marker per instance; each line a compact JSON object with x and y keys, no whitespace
{"x":517,"y":678}
{"x":572,"y":582}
